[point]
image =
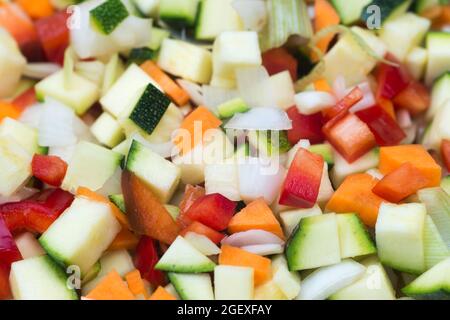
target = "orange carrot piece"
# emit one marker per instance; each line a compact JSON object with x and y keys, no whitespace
{"x":146,"y":214}
{"x":36,"y":9}
{"x":391,"y":158}
{"x":322,"y":85}
{"x":111,"y":287}
{"x":401,"y":183}
{"x":194,"y":127}
{"x":86,"y":193}
{"x":256,"y":215}
{"x":355,"y":195}
{"x":8,"y":110}
{"x":237,"y":257}
{"x":326,"y":16}
{"x":173,"y":90}
{"x":161,"y":294}
{"x":125,"y":240}
{"x":136,"y":284}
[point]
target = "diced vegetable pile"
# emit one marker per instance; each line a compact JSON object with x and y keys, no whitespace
{"x":224,"y":149}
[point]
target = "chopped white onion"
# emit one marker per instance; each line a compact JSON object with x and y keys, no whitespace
{"x":40,"y":70}
{"x":326,"y":281}
{"x":253,"y":13}
{"x":340,"y":87}
{"x":32,"y":115}
{"x":65,"y":153}
{"x":202,"y":243}
{"x":260,"y":119}
{"x":222,"y":178}
{"x":264,"y":249}
{"x":215,"y":96}
{"x":165,"y":150}
{"x":56,"y":125}
{"x":251,"y":238}
{"x":193,"y":89}
{"x":132,"y":32}
{"x":311,"y":12}
{"x":368,"y":99}
{"x":21,"y":194}
{"x":404,"y":118}
{"x":310,"y":102}
{"x":82,"y":130}
{"x":304,"y":143}
{"x":326,"y":188}
{"x":113,"y":185}
{"x":254,"y":87}
{"x":375,"y":173}
{"x":258,"y":179}
{"x":88,"y":43}
{"x":411,"y":134}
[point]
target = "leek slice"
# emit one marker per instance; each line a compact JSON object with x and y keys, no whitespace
{"x":286,"y":18}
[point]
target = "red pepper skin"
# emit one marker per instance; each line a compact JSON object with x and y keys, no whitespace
{"x":9,"y":253}
{"x":213,"y":210}
{"x":191,"y":194}
{"x":278,"y":60}
{"x":301,"y":187}
{"x":391,"y":80}
{"x":305,"y":127}
{"x":415,"y":98}
{"x":26,"y":99}
{"x":386,"y":130}
{"x":54,"y":36}
{"x":445,"y":152}
{"x":350,"y":136}
{"x":8,"y":248}
{"x":33,"y":215}
{"x":5,"y":290}
{"x":145,"y":260}
{"x":49,"y":169}
{"x":58,"y":201}
{"x":344,"y":104}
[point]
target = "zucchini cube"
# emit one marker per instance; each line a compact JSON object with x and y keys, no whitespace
{"x":185,"y":60}
{"x":232,"y":50}
{"x":107,"y":16}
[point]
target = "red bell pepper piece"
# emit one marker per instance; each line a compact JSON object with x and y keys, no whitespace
{"x":445,"y":152}
{"x":200,"y":228}
{"x":350,"y":136}
{"x":401,"y":183}
{"x":35,"y":215}
{"x":305,"y":127}
{"x":145,"y":260}
{"x":5,"y":290}
{"x":355,"y":96}
{"x":25,"y":100}
{"x":278,"y":60}
{"x":213,"y":210}
{"x":9,"y":253}
{"x":415,"y":98}
{"x":58,"y":201}
{"x":54,"y":36}
{"x":49,"y":169}
{"x":8,"y":248}
{"x":301,"y":187}
{"x":386,"y":130}
{"x":191,"y":194}
{"x":391,"y":80}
